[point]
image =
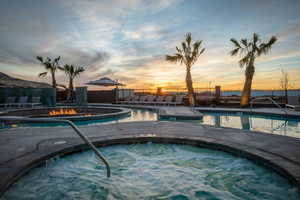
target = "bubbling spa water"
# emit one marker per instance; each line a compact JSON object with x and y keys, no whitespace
{"x":152,"y":171}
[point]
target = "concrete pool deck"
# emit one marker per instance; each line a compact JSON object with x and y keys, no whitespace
{"x":24,"y":148}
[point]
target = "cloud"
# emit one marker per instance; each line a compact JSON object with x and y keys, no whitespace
{"x":117,"y":8}
{"x":89,"y":59}
{"x":149,"y":32}
{"x":142,"y":62}
{"x":279,"y":55}
{"x":106,"y":72}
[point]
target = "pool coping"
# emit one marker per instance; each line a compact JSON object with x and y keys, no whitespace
{"x":256,"y":146}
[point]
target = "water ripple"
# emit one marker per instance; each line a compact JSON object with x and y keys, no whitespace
{"x":152,"y":171}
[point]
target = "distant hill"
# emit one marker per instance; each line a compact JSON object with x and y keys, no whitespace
{"x":8,"y":81}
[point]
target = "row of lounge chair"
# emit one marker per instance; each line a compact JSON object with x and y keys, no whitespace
{"x":23,"y":101}
{"x":155,"y":100}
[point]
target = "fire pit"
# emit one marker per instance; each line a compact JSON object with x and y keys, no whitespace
{"x":70,"y":113}
{"x":62,"y":112}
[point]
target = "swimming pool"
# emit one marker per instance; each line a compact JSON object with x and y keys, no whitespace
{"x":268,"y":124}
{"x":152,"y":171}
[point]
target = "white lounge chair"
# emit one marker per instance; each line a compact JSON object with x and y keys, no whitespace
{"x":159,"y":100}
{"x":168,"y":100}
{"x":294,"y":103}
{"x":126,"y":101}
{"x":132,"y":99}
{"x":22,"y":102}
{"x":9,"y":101}
{"x":143,"y":99}
{"x":178,"y":100}
{"x":150,"y":99}
{"x":35,"y":101}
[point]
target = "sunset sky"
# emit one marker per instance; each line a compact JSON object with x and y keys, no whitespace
{"x":128,"y":39}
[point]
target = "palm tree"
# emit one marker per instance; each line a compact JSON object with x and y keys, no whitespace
{"x":187,"y":55}
{"x":51,"y":66}
{"x":72,"y":72}
{"x":249,"y":51}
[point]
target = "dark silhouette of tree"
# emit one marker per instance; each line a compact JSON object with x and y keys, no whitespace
{"x":51,"y":66}
{"x":72,"y":72}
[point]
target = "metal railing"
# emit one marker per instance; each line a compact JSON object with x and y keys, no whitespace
{"x":76,"y":129}
{"x":267,"y":98}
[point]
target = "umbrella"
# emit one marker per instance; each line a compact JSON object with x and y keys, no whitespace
{"x":105,"y":82}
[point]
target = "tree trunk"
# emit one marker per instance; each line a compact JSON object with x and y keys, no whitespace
{"x":53,"y":79}
{"x":70,"y":91}
{"x":189,"y":85}
{"x":286,"y":96}
{"x":246,"y":94}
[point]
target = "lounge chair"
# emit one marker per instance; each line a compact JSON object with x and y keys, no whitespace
{"x":159,"y":100}
{"x":178,"y":100}
{"x":126,"y":101}
{"x":9,"y":101}
{"x":142,"y":100}
{"x":150,"y":99}
{"x":35,"y":101}
{"x":23,"y":101}
{"x":293,"y":103}
{"x":134,"y":100}
{"x":168,"y":100}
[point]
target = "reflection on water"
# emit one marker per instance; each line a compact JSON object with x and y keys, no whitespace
{"x":140,"y":115}
{"x":274,"y":125}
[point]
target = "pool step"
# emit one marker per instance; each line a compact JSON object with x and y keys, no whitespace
{"x":179,"y":113}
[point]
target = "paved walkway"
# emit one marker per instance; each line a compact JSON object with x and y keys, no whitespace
{"x":22,"y":149}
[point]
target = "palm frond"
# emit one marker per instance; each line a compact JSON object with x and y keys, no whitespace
{"x":78,"y":70}
{"x":188,"y":39}
{"x":188,"y":53}
{"x":202,"y":50}
{"x":43,"y":74}
{"x":255,"y":38}
{"x":196,"y":45}
{"x":235,"y":42}
{"x":179,"y":50}
{"x":234,"y":51}
{"x":184,"y":47}
{"x":40,"y":58}
{"x":264,"y":48}
{"x":244,"y":42}
{"x":174,"y":58}
{"x":57,"y":59}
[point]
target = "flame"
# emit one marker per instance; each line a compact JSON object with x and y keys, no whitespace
{"x":63,"y":112}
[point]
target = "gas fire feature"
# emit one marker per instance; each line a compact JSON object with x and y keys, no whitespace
{"x":71,"y":113}
{"x":63,"y":112}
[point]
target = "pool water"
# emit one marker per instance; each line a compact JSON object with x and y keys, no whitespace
{"x":274,"y":125}
{"x":268,"y":124}
{"x":152,"y":171}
